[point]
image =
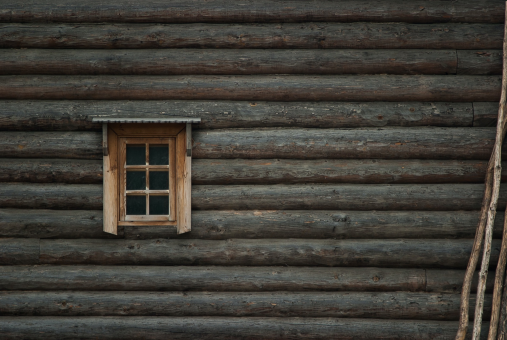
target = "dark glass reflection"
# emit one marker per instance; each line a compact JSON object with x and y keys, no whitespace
{"x":159,"y":180}
{"x":136,"y":205}
{"x":136,"y":155}
{"x":136,"y":180}
{"x":159,"y":155}
{"x":159,"y":205}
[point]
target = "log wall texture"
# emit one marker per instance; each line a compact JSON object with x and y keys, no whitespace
{"x":337,"y":170}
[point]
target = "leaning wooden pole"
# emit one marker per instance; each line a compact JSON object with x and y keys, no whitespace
{"x":497,"y":292}
{"x":488,"y":211}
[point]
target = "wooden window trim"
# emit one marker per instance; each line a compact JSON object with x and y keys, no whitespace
{"x":114,"y":171}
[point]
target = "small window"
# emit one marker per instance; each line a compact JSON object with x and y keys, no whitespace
{"x":147,"y":173}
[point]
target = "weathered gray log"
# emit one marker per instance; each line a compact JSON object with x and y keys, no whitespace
{"x":279,"y":171}
{"x":244,"y":328}
{"x":387,"y":143}
{"x":420,"y":143}
{"x":19,"y":251}
{"x":77,"y":115}
{"x":451,"y":281}
{"x":262,"y":87}
{"x":41,"y":223}
{"x":198,"y":61}
{"x":485,"y":113}
{"x":395,"y":305}
{"x":479,"y":62}
{"x":51,"y":196}
{"x":222,"y":225}
{"x":430,"y":197}
{"x":49,"y":144}
{"x":266,"y":36}
{"x":234,"y":279}
{"x":225,"y":62}
{"x":262,"y":252}
{"x":74,"y":171}
{"x":262,"y":171}
{"x":219,"y":11}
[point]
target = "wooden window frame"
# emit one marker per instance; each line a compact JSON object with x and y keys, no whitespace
{"x":178,"y":136}
{"x":171,"y":168}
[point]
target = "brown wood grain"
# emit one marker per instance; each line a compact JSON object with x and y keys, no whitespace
{"x":392,"y":305}
{"x":262,"y":252}
{"x":110,"y":191}
{"x":260,"y":87}
{"x":24,"y":115}
{"x":312,"y":35}
{"x":218,"y":11}
{"x":226,"y":62}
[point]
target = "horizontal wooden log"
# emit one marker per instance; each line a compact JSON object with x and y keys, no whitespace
{"x":429,"y":197}
{"x":74,"y":171}
{"x":244,"y":62}
{"x":51,"y":196}
{"x":19,"y":251}
{"x":451,"y":280}
{"x":225,"y":62}
{"x":395,"y":305}
{"x":420,"y":143}
{"x":388,"y":143}
{"x":41,"y":223}
{"x":279,"y":171}
{"x":265,"y":87}
{"x":244,"y":328}
{"x":219,"y":11}
{"x":293,"y":252}
{"x":233,"y":279}
{"x":264,"y":36}
{"x":222,"y":225}
{"x":479,"y":62}
{"x":485,"y":114}
{"x":49,"y":144}
{"x":77,"y":115}
{"x":263,"y":171}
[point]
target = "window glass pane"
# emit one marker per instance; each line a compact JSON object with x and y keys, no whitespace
{"x":159,"y":155}
{"x":136,"y":205}
{"x":159,"y":180}
{"x":159,"y":205}
{"x":136,"y":180}
{"x":136,"y":155}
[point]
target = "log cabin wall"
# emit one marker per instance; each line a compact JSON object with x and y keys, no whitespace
{"x":337,"y":174}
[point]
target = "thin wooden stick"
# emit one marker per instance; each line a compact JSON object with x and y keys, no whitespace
{"x":502,"y":334}
{"x":497,"y":177}
{"x":488,"y":211}
{"x":497,"y":292}
{"x":474,"y":257}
